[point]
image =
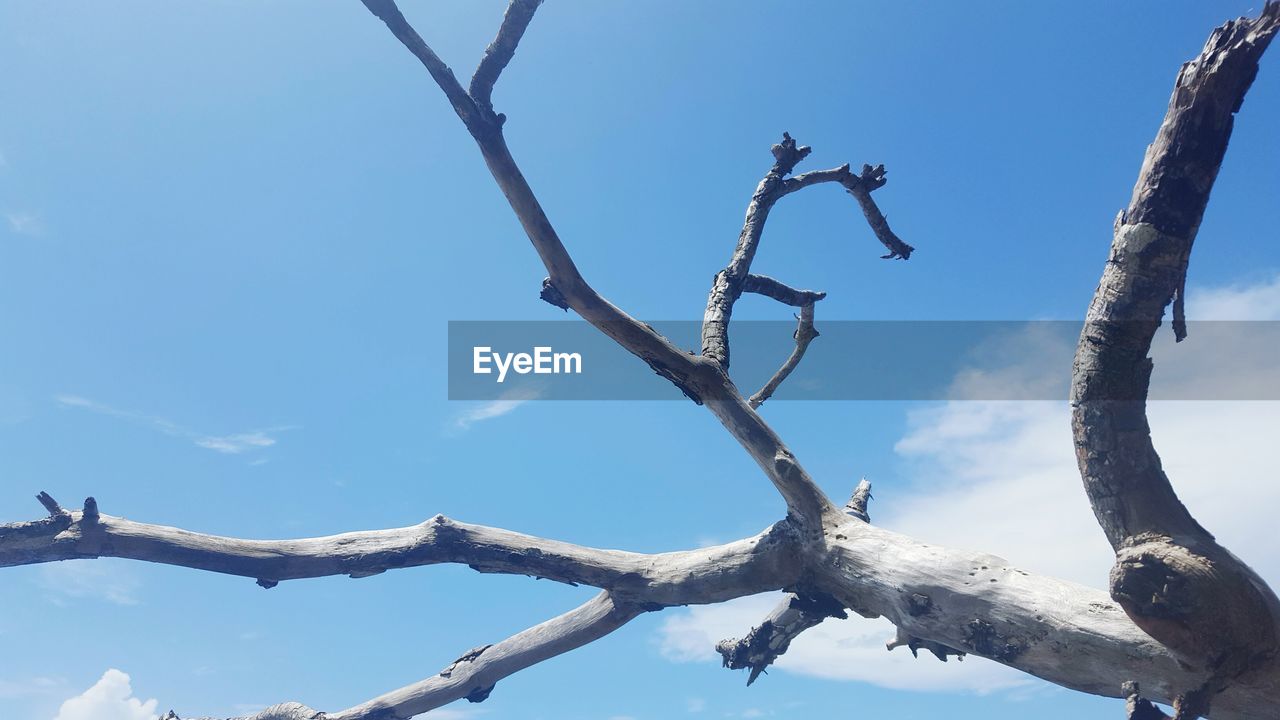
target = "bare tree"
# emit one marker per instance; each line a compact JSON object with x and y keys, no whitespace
{"x":1185,"y":621}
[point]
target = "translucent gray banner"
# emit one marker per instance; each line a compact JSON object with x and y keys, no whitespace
{"x":856,"y":360}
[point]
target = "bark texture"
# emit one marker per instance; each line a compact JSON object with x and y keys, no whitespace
{"x":1171,"y":576}
{"x":1186,"y":622}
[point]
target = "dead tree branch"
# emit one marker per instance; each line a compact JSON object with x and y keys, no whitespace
{"x":702,"y":380}
{"x":796,"y":613}
{"x":1171,"y":576}
{"x":729,"y":284}
{"x":500,"y":51}
{"x":695,"y":576}
{"x":474,"y":675}
{"x":804,"y":334}
{"x":1189,"y":622}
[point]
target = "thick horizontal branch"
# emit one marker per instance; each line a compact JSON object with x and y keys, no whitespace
{"x":696,"y":576}
{"x":1068,"y":634}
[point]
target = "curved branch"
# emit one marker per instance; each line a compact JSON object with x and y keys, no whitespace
{"x":705,"y":575}
{"x":474,"y":675}
{"x":729,"y":283}
{"x":1171,"y":576}
{"x":804,"y":334}
{"x":976,"y":603}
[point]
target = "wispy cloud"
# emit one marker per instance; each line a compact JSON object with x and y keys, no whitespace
{"x":237,"y":443}
{"x":480,"y":412}
{"x":24,"y":223}
{"x":232,"y":444}
{"x":107,"y":580}
{"x":30,"y":687}
{"x":111,"y":698}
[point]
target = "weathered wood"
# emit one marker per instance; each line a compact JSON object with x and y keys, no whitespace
{"x":704,"y":575}
{"x":1171,"y":576}
{"x":1189,"y":623}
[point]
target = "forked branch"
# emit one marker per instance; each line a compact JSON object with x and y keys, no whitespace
{"x":1189,"y":621}
{"x":729,"y":284}
{"x":701,"y":379}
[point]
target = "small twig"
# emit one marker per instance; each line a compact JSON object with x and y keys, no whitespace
{"x":857,"y":505}
{"x":871,"y":179}
{"x":783,"y":293}
{"x":804,"y":334}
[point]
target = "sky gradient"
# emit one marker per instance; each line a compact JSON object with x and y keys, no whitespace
{"x":233,"y":234}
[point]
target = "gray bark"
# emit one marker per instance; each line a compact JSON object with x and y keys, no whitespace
{"x":1198,"y":631}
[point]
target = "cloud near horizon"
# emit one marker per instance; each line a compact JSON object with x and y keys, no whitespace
{"x":111,"y":698}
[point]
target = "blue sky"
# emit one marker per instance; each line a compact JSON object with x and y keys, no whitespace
{"x":233,"y":234}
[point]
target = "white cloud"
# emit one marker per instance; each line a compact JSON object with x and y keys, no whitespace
{"x":24,"y":223}
{"x":111,"y":698}
{"x":695,"y":705}
{"x":504,"y":405}
{"x":105,"y":579}
{"x":1260,"y":301}
{"x":1001,"y":477}
{"x":232,"y":444}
